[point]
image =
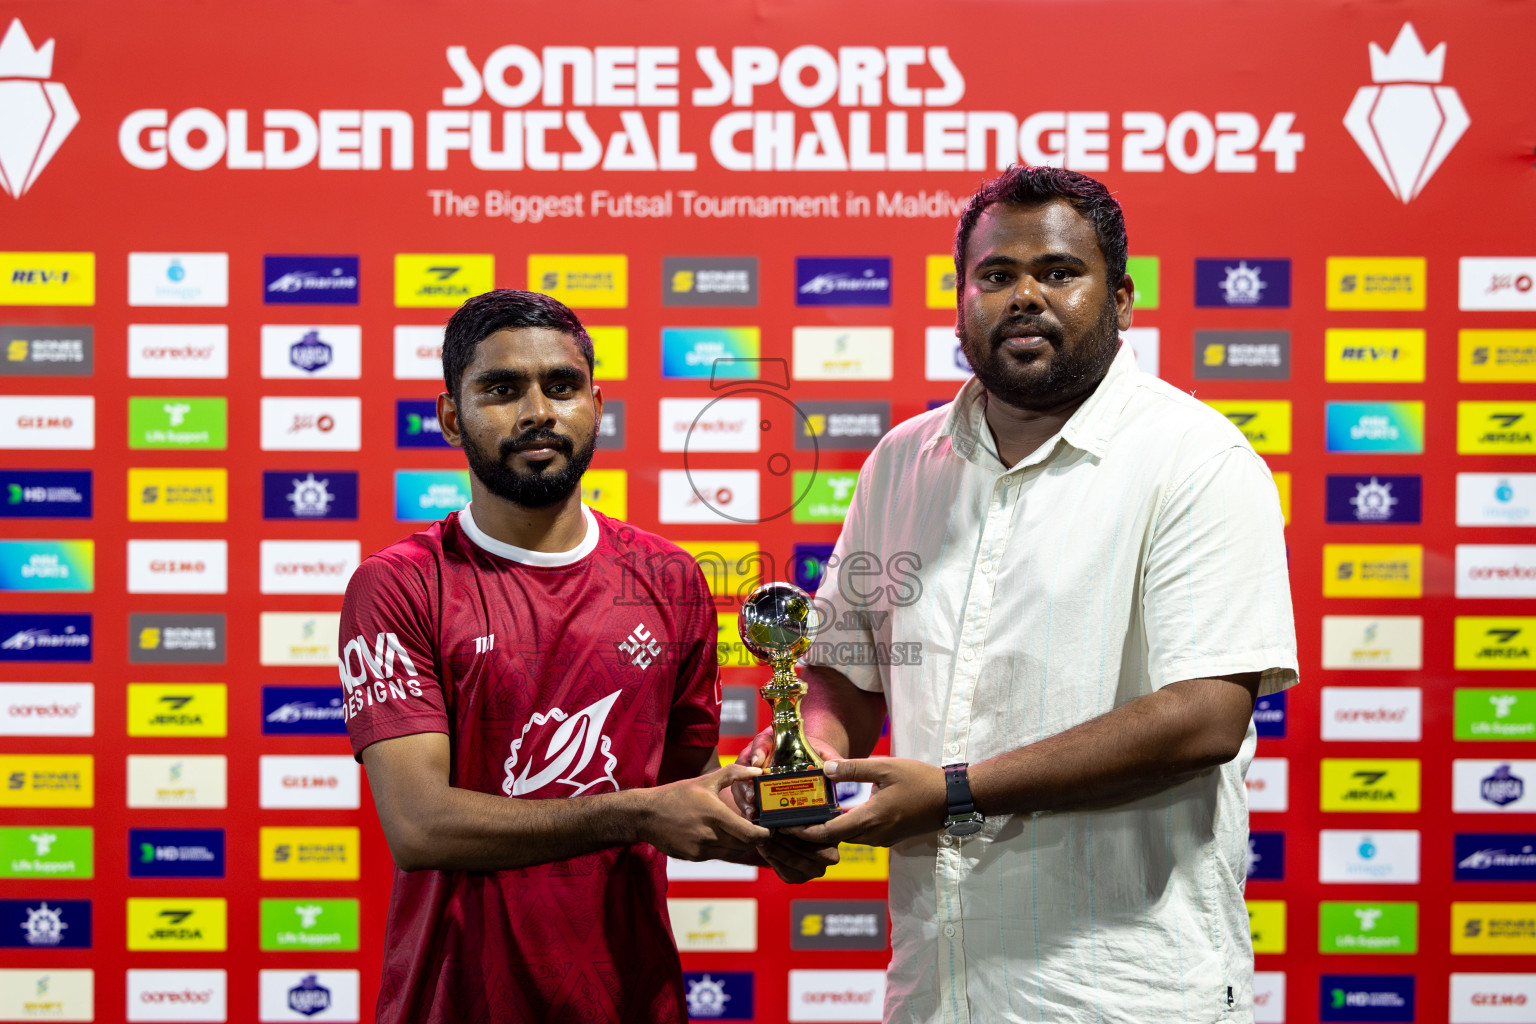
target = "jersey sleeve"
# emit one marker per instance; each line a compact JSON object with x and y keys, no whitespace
{"x":388,"y":663}
{"x":695,"y":717}
{"x":1216,"y":592}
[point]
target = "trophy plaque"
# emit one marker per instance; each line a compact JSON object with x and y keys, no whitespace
{"x":792,"y":790}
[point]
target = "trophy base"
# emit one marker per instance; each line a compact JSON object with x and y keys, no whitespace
{"x":795,"y":798}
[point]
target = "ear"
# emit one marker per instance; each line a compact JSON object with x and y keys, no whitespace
{"x":448,"y":419}
{"x":1125,"y":299}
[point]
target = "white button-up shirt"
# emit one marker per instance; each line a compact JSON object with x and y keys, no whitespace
{"x":1139,"y":546}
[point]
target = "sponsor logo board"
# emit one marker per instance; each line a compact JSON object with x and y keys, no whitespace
{"x":47,"y":278}
{"x":1266,"y":424}
{"x":1382,"y":784}
{"x":1242,"y":283}
{"x":943,"y":359}
{"x":176,"y":853}
{"x":610,"y":428}
{"x":710,"y":353}
{"x":1268,"y":784}
{"x":1353,"y":355}
{"x":309,"y":853}
{"x":1385,"y":857}
{"x":1242,"y":355}
{"x":827,"y":495}
{"x":190,"y":639}
{"x":1496,"y":499}
{"x":302,"y":711}
{"x":179,"y":924}
{"x":939,"y":282}
{"x":1496,"y":428}
{"x":1496,"y":356}
{"x":299,"y":638}
{"x":1373,"y":570}
{"x":45,"y":494}
{"x":1495,"y":642}
{"x":310,"y":781}
{"x":47,"y":851}
{"x":1372,"y":713}
{"x":308,"y":566}
{"x":1266,"y":856}
{"x":860,"y":863}
{"x":47,"y":780}
{"x":45,"y":924}
{"x":48,"y":993}
{"x":1497,"y":283}
{"x":842,"y":281}
{"x":1373,"y":641}
{"x":178,"y":495}
{"x":581,"y":282}
{"x":1269,"y":997}
{"x":190,"y":351}
{"x":332,"y":424}
{"x":709,"y":496}
{"x":308,"y":494}
{"x":307,"y":995}
{"x":1386,"y":427}
{"x":48,"y":422}
{"x":48,"y":565}
{"x":192,"y":781}
{"x":840,"y":995}
{"x":179,"y":995}
{"x":416,"y":424}
{"x":1491,"y":714}
{"x":1368,"y":927}
{"x":710,"y":425}
{"x":43,"y":350}
{"x":309,"y":280}
{"x":310,"y":925}
{"x":610,"y":352}
{"x":1492,"y":998}
{"x":1493,"y":928}
{"x":44,"y":637}
{"x":709,"y":871}
{"x":1269,"y":716}
{"x":843,"y":353}
{"x":418,"y":353}
{"x":606,"y":491}
{"x":1495,"y":857}
{"x":1366,"y":997}
{"x":178,"y":423}
{"x":311,"y":352}
{"x":1376,"y":499}
{"x":717,"y":924}
{"x":178,"y":709}
{"x":1492,"y":787}
{"x":1496,"y":570}
{"x":1266,"y":925}
{"x":441,"y":280}
{"x":423,"y":495}
{"x":709,"y":281}
{"x":841,"y":426}
{"x":837,"y":924}
{"x":1376,"y":283}
{"x":178,"y":567}
{"x":718,"y":995}
{"x":178,"y":279}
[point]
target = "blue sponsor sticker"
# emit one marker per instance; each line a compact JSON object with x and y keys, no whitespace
{"x":1243,"y":282}
{"x":1496,"y":857}
{"x":1367,"y":997}
{"x":1269,"y":716}
{"x":810,"y":564}
{"x":45,"y":924}
{"x":425,"y":495}
{"x":843,"y":281}
{"x":176,"y":853}
{"x":1266,"y":856}
{"x":45,"y":494}
{"x":302,"y":711}
{"x":309,"y":280}
{"x":718,"y":995}
{"x":1377,"y":498}
{"x":308,"y":494}
{"x":38,"y":637}
{"x":416,"y":424}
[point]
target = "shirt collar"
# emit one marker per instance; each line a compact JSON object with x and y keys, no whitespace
{"x":544,"y":559}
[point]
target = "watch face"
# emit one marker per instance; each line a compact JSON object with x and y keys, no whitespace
{"x":965,"y":826}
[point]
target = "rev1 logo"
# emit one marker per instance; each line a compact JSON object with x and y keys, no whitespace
{"x":302,"y":711}
{"x":308,"y":494}
{"x":45,"y":924}
{"x":36,"y":637}
{"x":718,"y":995}
{"x":309,"y":280}
{"x":1243,"y":283}
{"x":843,"y":281}
{"x":1375,"y":500}
{"x":176,"y":853}
{"x":1367,"y":997}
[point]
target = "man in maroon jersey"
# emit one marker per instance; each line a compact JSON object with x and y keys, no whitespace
{"x":533,"y":690}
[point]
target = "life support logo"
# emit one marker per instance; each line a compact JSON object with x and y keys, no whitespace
{"x":36,"y":115}
{"x":567,"y":757}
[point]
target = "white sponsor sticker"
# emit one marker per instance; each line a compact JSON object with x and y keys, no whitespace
{"x":48,"y":422}
{"x":1387,"y":857}
{"x":308,"y":566}
{"x":1493,"y":998}
{"x":1496,"y":499}
{"x":709,"y":871}
{"x":190,"y":351}
{"x":1498,"y":283}
{"x":309,"y":996}
{"x":702,"y":925}
{"x":843,"y":353}
{"x":312,"y":351}
{"x":1268,"y":784}
{"x":418,"y":353}
{"x":711,"y":425}
{"x":48,"y":993}
{"x":1373,"y":713}
{"x":178,"y":567}
{"x":311,"y":424}
{"x":1373,"y":641}
{"x":709,"y":496}
{"x":178,"y":781}
{"x":1146,"y":344}
{"x":1268,"y":997}
{"x":178,"y":279}
{"x":1493,"y":787}
{"x":299,"y":638}
{"x":178,"y":995}
{"x":47,"y":709}
{"x":309,"y":781}
{"x":942,"y":358}
{"x":1496,"y":570}
{"x":843,"y":995}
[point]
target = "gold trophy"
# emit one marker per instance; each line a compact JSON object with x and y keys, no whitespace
{"x":792,"y":790}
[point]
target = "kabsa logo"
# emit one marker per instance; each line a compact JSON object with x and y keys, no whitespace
{"x":718,"y":995}
{"x":1484,"y":642}
{"x":45,"y":924}
{"x":1377,"y":499}
{"x":308,"y":995}
{"x":192,"y":351}
{"x":296,"y":782}
{"x":332,"y":351}
{"x":27,"y":351}
{"x":45,"y":494}
{"x":1406,"y":123}
{"x":48,"y":422}
{"x":332,"y":424}
{"x":843,"y":281}
{"x":302,"y":711}
{"x":416,"y":424}
{"x":709,"y":281}
{"x":577,"y":753}
{"x":176,"y":853}
{"x":308,"y":494}
{"x":1498,"y":283}
{"x":308,"y":566}
{"x":33,"y":637}
{"x":39,"y":114}
{"x":1243,"y":283}
{"x":1491,"y":786}
{"x":1495,"y":428}
{"x":309,"y":280}
{"x":47,"y":709}
{"x":424,"y":280}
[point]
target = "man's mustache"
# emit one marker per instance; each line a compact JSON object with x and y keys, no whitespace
{"x":537,"y":438}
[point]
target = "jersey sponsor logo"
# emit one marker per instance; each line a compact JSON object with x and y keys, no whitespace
{"x":196,"y":638}
{"x":309,"y":995}
{"x":178,"y":566}
{"x":178,"y":781}
{"x":825,"y":496}
{"x":1497,"y":283}
{"x":1266,"y":424}
{"x":179,"y":995}
{"x":47,"y":278}
{"x":48,"y":422}
{"x":1375,"y":282}
{"x":178,"y":350}
{"x":48,"y":565}
{"x":1373,"y":570}
{"x":299,"y":638}
{"x":1269,"y":716}
{"x":1385,"y":784}
{"x":837,"y":924}
{"x":710,"y":425}
{"x":178,"y":495}
{"x":1496,"y":499}
{"x":1495,"y":857}
{"x":1373,"y":355}
{"x":308,"y":494}
{"x":178,"y":709}
{"x":1268,"y":784}
{"x":718,"y":995}
{"x":312,"y":352}
{"x":308,"y":566}
{"x":1269,"y":997}
{"x":361,"y":659}
{"x":843,"y":353}
{"x":309,"y":280}
{"x":47,"y":851}
{"x":45,"y":637}
{"x":310,"y":925}
{"x":1372,"y":713}
{"x":179,"y":422}
{"x":1496,"y":570}
{"x":841,"y":995}
{"x":1496,"y":356}
{"x":1266,"y":924}
{"x":1368,"y":927}
{"x":176,"y":853}
{"x":418,"y":353}
{"x":1367,"y":997}
{"x":178,"y":924}
{"x":1492,"y":998}
{"x":581,"y":282}
{"x":1387,"y":427}
{"x":331,"y":424}
{"x":1385,"y":857}
{"x":45,"y":924}
{"x":48,"y":994}
{"x":47,"y":709}
{"x":1496,"y":428}
{"x":47,"y":351}
{"x":45,"y":494}
{"x":47,"y":780}
{"x":709,"y":281}
{"x":1493,"y":928}
{"x":424,"y":280}
{"x":416,"y":424}
{"x":310,"y":781}
{"x":843,"y":281}
{"x":943,"y":357}
{"x":1266,"y":856}
{"x":1242,"y":283}
{"x":709,"y":496}
{"x":1495,"y":642}
{"x":302,"y":711}
{"x":1242,"y":355}
{"x":1490,"y":714}
{"x":1373,"y":641}
{"x":309,"y":853}
{"x":1492,"y":786}
{"x":710,"y":353}
{"x":571,"y":750}
{"x":721,"y":924}
{"x":178,"y":279}
{"x":1375,"y":499}
{"x":424,"y":495}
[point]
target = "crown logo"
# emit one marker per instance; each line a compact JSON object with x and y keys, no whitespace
{"x":36,"y":115}
{"x":1407,"y":61}
{"x":19,"y":59}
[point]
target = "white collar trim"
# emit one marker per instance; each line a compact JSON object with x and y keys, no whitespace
{"x":544,"y":559}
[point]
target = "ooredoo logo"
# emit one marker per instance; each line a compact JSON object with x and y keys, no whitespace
{"x":36,"y":115}
{"x":307,"y":566}
{"x":47,"y":709}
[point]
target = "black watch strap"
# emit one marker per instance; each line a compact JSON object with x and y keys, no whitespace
{"x":957,"y":789}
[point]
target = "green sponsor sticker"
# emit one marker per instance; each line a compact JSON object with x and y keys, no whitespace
{"x":312,"y":925}
{"x":177,"y":422}
{"x":46,"y":851}
{"x":1488,"y":714}
{"x":828,"y":494}
{"x":1368,"y":928}
{"x":1145,"y":272}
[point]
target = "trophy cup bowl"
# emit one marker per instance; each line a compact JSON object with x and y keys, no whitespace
{"x":775,"y":626}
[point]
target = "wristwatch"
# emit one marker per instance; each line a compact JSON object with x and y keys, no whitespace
{"x":963,"y":820}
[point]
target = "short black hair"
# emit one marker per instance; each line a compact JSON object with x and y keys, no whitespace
{"x":504,"y":309}
{"x":1022,"y":185}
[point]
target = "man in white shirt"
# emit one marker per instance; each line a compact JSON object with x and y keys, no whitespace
{"x":1093,"y":565}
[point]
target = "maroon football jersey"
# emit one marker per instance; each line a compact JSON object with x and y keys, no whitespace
{"x":553,"y":676}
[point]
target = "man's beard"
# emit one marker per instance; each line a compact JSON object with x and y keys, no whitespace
{"x":537,"y":489}
{"x":1069,"y":375}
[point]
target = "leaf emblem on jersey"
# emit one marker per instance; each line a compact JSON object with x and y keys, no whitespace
{"x":569,"y":753}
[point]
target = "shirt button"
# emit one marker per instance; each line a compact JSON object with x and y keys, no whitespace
{"x":986,"y":566}
{"x":969,"y":655}
{"x":954,"y":748}
{"x":947,"y":840}
{"x":949,"y":930}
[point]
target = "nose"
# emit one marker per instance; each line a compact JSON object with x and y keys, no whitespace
{"x":1026,"y":297}
{"x":535,"y":411}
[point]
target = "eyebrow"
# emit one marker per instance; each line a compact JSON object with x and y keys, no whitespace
{"x":564,"y":374}
{"x":1044,"y":259}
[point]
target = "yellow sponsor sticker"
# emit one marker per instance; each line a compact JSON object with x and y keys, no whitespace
{"x":1493,"y":928}
{"x":1266,"y":424}
{"x":610,"y":352}
{"x":1496,"y":428}
{"x":309,"y":853}
{"x":47,"y":279}
{"x":47,"y":780}
{"x":1283,"y":486}
{"x":178,"y":495}
{"x":859,"y":863}
{"x":1376,"y":282}
{"x":1493,"y":357}
{"x":581,"y":282}
{"x":1373,"y":570}
{"x":1266,"y":921}
{"x":441,"y":279}
{"x":607,"y":491}
{"x":178,"y":709}
{"x":1495,"y":642}
{"x":941,"y":282}
{"x":179,"y":924}
{"x":1370,"y":784}
{"x":731,"y":567}
{"x":732,"y":651}
{"x":1372,"y":356}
